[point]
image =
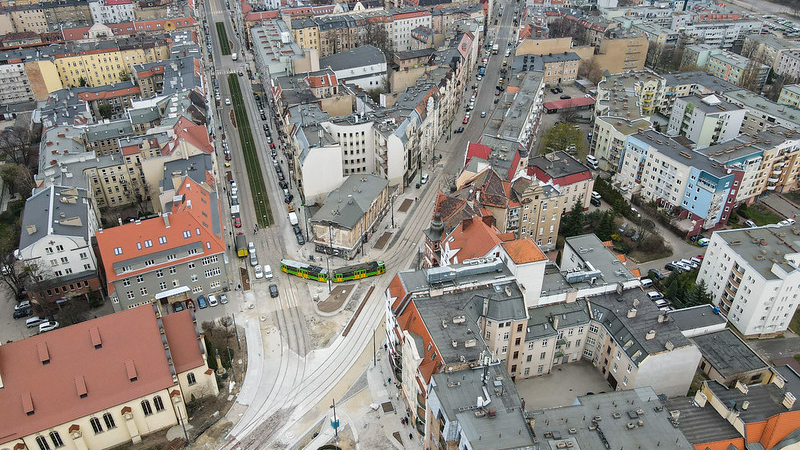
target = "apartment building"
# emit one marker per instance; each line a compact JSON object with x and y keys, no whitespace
{"x":737,"y":69}
{"x":660,"y":170}
{"x":114,"y":99}
{"x":16,"y":86}
{"x":629,"y":95}
{"x":111,"y":11}
{"x":752,"y":275}
{"x":167,"y":259}
{"x":349,"y":216}
{"x":720,"y":33}
{"x":705,"y":120}
{"x":557,"y":68}
{"x":58,"y":224}
{"x":763,"y":113}
{"x":767,"y":48}
{"x":573,"y":179}
{"x":696,"y":56}
{"x":609,"y":136}
{"x":788,"y":65}
{"x":275,"y":51}
{"x":539,"y":215}
{"x":402,"y":22}
{"x":790,"y":95}
{"x":364,"y":66}
{"x":108,"y":63}
{"x":110,"y":381}
{"x":518,"y":118}
{"x":682,"y":84}
{"x":621,"y":51}
{"x":306,"y":33}
{"x":30,"y":19}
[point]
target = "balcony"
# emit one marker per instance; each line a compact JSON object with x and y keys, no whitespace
{"x":773,"y":179}
{"x":735,"y":281}
{"x":730,"y":292}
{"x":737,"y":271}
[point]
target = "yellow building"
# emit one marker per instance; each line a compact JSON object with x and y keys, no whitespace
{"x":623,"y":53}
{"x":306,"y":33}
{"x":110,"y":381}
{"x":790,"y":95}
{"x":108,"y":64}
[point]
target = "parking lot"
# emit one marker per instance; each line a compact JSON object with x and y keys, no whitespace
{"x":548,"y":120}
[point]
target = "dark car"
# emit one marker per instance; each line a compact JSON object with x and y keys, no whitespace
{"x":559,"y":90}
{"x":20,"y":313}
{"x":296,"y":229}
{"x":564,"y":97}
{"x":266,"y":127}
{"x":672,"y":267}
{"x":288,"y":198}
{"x":178,"y":306}
{"x":273,"y":290}
{"x":300,"y":239}
{"x":554,"y":91}
{"x":655,"y":273}
{"x":594,"y":201}
{"x":263,"y":117}
{"x":283,"y":185}
{"x":280,"y":176}
{"x":460,"y":130}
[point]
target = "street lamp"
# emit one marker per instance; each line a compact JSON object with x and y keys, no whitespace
{"x":328,"y":265}
{"x":335,"y":421}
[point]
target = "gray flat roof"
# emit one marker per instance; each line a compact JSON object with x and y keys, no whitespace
{"x":348,"y":203}
{"x":458,"y":392}
{"x":631,"y":332}
{"x":762,"y":248}
{"x":699,"y":77}
{"x":366,"y":55}
{"x":696,"y":317}
{"x":444,"y":309}
{"x":618,"y":426}
{"x":765,"y":400}
{"x":591,"y":249}
{"x":701,"y":425}
{"x":558,"y":164}
{"x":671,"y":148}
{"x":57,"y":210}
{"x":758,"y":103}
{"x":728,"y":354}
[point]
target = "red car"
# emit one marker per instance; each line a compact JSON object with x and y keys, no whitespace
{"x":190,"y":304}
{"x":466,"y":119}
{"x":272,"y":145}
{"x":237,"y":222}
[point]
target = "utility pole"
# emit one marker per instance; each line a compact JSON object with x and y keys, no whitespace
{"x":393,"y":197}
{"x":335,"y":421}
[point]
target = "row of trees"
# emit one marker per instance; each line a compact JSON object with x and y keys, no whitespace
{"x":684,"y":291}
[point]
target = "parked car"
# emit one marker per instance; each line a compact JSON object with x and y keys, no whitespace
{"x":201,"y":302}
{"x":655,"y":295}
{"x":300,"y":239}
{"x":483,"y":113}
{"x":672,"y":267}
{"x":565,"y":97}
{"x":623,"y":227}
{"x":594,"y":201}
{"x":178,"y":307}
{"x":223,"y":298}
{"x":646,"y":282}
{"x":237,"y":222}
{"x":631,"y":232}
{"x":267,"y":272}
{"x":750,"y":223}
{"x":20,"y":313}
{"x":190,"y":304}
{"x":655,"y":273}
{"x":212,"y":300}
{"x":253,"y":259}
{"x":273,"y":290}
{"x":258,"y":272}
{"x":35,"y":321}
{"x":25,"y":304}
{"x":636,"y":236}
{"x":50,"y":325}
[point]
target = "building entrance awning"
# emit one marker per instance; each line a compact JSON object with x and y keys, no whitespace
{"x":172,"y":292}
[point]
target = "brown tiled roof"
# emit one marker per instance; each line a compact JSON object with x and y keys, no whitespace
{"x":524,"y":251}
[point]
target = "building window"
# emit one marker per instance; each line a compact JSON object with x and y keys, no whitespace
{"x":96,"y":425}
{"x":592,"y":328}
{"x":542,"y":355}
{"x":173,"y":270}
{"x":56,"y":438}
{"x":43,"y":445}
{"x":143,"y":291}
{"x":540,"y":369}
{"x":146,"y":408}
{"x":109,"y":420}
{"x":190,"y":379}
{"x":158,"y":403}
{"x":139,"y":279}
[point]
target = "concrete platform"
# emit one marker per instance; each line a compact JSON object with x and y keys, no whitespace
{"x":562,"y":386}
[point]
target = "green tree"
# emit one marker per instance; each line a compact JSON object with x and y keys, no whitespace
{"x":561,"y":137}
{"x":124,"y":75}
{"x":18,"y":178}
{"x":574,"y":222}
{"x":605,"y":228}
{"x":105,"y":111}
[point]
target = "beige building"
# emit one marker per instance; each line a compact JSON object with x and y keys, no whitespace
{"x":30,"y":19}
{"x":350,"y":215}
{"x":111,"y":63}
{"x":539,"y":211}
{"x":544,"y":46}
{"x":110,"y":381}
{"x":621,"y":53}
{"x":609,"y":137}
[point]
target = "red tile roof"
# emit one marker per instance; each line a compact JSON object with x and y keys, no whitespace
{"x":192,"y":215}
{"x":523,"y":251}
{"x":472,"y":238}
{"x":129,"y":339}
{"x":194,"y":134}
{"x":183,"y":340}
{"x":87,"y":96}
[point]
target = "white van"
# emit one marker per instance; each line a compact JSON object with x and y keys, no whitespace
{"x":647,"y":282}
{"x":591,"y":161}
{"x":35,"y":321}
{"x":267,"y":272}
{"x":655,"y":295}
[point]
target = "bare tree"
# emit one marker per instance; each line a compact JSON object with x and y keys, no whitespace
{"x":17,"y":145}
{"x":377,"y":36}
{"x":565,"y":27}
{"x":591,"y":70}
{"x":18,"y":178}
{"x":751,"y":76}
{"x":645,"y":227}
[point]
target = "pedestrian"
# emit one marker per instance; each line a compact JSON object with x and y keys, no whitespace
{"x":411,"y":436}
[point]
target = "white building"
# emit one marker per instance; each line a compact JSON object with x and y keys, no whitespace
{"x":401,"y":24}
{"x":357,"y":141}
{"x":363,"y":66}
{"x":319,"y":163}
{"x":719,"y":34}
{"x":705,"y":120}
{"x":753,"y":277}
{"x":788,"y":65}
{"x":111,"y":11}
{"x":16,"y":86}
{"x":57,"y":228}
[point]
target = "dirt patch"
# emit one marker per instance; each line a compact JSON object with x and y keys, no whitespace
{"x":406,"y":205}
{"x":233,"y":119}
{"x":383,"y":240}
{"x":322,"y":331}
{"x":245,"y":278}
{"x":346,"y":439}
{"x":387,"y":407}
{"x":335,"y":299}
